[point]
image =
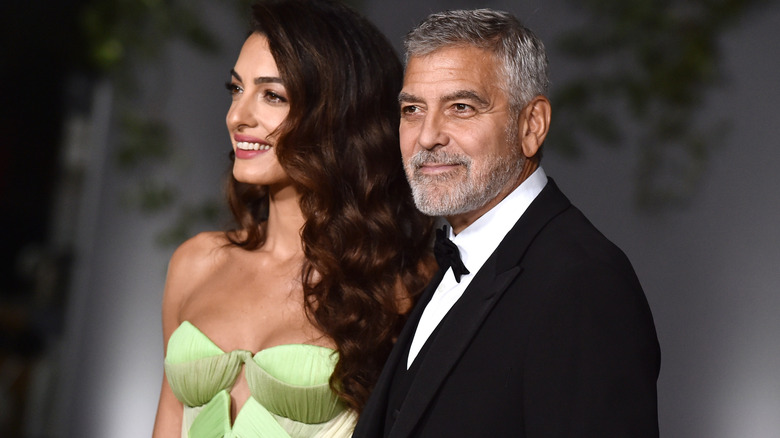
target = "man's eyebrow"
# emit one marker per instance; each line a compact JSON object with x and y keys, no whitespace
{"x":457,"y":95}
{"x":406,"y":97}
{"x":464,"y":95}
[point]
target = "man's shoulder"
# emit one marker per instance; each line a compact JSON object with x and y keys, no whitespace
{"x":569,"y":244}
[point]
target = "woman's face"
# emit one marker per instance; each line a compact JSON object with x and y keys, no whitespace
{"x":259,"y":106}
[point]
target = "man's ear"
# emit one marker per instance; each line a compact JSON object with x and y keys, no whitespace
{"x":534,"y":124}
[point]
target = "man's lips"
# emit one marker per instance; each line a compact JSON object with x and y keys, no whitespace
{"x":437,"y":168}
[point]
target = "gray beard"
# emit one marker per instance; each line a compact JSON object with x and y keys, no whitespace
{"x":451,"y":194}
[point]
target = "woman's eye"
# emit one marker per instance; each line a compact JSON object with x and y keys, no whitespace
{"x":274,"y":97}
{"x":232,"y":88}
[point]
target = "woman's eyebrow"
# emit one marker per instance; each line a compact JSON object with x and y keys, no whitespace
{"x":268,"y":79}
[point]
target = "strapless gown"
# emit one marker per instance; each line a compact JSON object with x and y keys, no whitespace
{"x":290,"y":398}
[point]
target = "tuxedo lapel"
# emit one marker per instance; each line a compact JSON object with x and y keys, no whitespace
{"x":459,"y":326}
{"x":466,"y":317}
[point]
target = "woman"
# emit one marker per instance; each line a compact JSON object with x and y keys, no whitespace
{"x":281,"y":326}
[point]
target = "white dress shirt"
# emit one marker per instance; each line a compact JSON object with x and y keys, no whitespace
{"x":476,"y":243}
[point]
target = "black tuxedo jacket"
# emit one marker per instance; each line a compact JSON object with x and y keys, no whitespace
{"x":552,"y":338}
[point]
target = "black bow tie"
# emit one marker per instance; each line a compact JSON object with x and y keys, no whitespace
{"x":447,"y":254}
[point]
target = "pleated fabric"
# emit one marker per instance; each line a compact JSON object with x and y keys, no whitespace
{"x":291,"y":397}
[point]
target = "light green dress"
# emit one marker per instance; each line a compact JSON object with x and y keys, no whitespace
{"x":291,"y":397}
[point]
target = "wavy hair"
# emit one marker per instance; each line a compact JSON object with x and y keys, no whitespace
{"x":366,"y":246}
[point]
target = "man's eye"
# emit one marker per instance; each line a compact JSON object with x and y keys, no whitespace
{"x":462,"y":107}
{"x":408,"y":109}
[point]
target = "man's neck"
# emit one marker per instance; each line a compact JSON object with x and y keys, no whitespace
{"x":460,"y":222}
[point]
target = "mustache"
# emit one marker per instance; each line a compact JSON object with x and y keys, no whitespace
{"x":438,"y":157}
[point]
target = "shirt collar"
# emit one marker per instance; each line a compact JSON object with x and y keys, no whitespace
{"x":477,"y":241}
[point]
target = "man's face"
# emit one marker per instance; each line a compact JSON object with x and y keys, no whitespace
{"x":459,"y":140}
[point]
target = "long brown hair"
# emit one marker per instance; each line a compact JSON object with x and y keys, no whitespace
{"x":366,"y":246}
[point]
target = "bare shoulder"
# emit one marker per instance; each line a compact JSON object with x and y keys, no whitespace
{"x":199,"y":254}
{"x":193,"y":262}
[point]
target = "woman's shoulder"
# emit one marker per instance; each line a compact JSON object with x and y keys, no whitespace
{"x":193,"y":264}
{"x":197,"y":259}
{"x":203,"y":243}
{"x":200,"y":253}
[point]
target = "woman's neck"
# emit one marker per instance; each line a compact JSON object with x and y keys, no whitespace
{"x":285,"y":221}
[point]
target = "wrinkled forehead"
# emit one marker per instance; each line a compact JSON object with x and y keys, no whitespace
{"x":465,"y":67}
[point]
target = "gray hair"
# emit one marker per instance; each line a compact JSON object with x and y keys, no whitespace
{"x":519,"y":51}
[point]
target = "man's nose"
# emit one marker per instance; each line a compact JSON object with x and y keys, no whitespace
{"x":432,"y":132}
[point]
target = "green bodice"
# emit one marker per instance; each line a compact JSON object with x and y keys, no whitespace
{"x":289,"y":386}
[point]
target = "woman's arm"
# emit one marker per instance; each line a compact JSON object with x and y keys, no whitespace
{"x":179,"y":282}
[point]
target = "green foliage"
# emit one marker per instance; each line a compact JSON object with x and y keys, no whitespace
{"x":150,"y":195}
{"x":189,"y":217}
{"x":645,"y":69}
{"x":118,"y":31}
{"x":144,"y":138}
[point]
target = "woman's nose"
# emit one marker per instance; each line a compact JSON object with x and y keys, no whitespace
{"x":241,"y":113}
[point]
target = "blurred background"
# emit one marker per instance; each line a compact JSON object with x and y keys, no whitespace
{"x":113,"y":150}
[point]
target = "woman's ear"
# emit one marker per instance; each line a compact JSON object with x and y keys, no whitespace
{"x":534,"y":124}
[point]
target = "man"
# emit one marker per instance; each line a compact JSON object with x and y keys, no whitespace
{"x":544,"y":331}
